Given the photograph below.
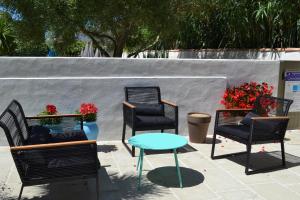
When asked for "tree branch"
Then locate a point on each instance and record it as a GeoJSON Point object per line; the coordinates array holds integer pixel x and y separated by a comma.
{"type": "Point", "coordinates": [91, 36]}
{"type": "Point", "coordinates": [97, 35]}
{"type": "Point", "coordinates": [143, 49]}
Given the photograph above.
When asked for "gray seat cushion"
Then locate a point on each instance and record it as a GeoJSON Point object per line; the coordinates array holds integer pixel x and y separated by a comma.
{"type": "Point", "coordinates": [267, 125]}
{"type": "Point", "coordinates": [152, 122]}
{"type": "Point", "coordinates": [243, 132]}
{"type": "Point", "coordinates": [67, 136]}
{"type": "Point", "coordinates": [149, 109]}
{"type": "Point", "coordinates": [38, 135]}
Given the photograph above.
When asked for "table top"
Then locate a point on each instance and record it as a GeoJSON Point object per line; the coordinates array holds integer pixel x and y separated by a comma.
{"type": "Point", "coordinates": [158, 141]}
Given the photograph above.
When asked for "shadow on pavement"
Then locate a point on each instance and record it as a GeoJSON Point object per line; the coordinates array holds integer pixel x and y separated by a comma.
{"type": "Point", "coordinates": [167, 177]}
{"type": "Point", "coordinates": [261, 160]}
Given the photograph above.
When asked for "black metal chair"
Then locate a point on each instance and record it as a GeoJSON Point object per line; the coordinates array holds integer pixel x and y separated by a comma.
{"type": "Point", "coordinates": [265, 123]}
{"type": "Point", "coordinates": [144, 109]}
{"type": "Point", "coordinates": [61, 157]}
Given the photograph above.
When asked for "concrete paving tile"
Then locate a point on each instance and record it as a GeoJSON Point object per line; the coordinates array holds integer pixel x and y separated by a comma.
{"type": "Point", "coordinates": [75, 191]}
{"type": "Point", "coordinates": [295, 188]}
{"type": "Point", "coordinates": [285, 177]}
{"type": "Point", "coordinates": [199, 164]}
{"type": "Point", "coordinates": [254, 178]}
{"type": "Point", "coordinates": [274, 191]}
{"type": "Point", "coordinates": [197, 192]}
{"type": "Point", "coordinates": [221, 181]}
{"type": "Point", "coordinates": [13, 176]}
{"type": "Point", "coordinates": [31, 192]}
{"type": "Point", "coordinates": [295, 169]}
{"type": "Point", "coordinates": [240, 194]}
{"type": "Point", "coordinates": [109, 195]}
{"type": "Point", "coordinates": [127, 184]}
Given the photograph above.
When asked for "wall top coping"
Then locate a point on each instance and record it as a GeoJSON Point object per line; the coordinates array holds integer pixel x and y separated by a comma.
{"type": "Point", "coordinates": [138, 59]}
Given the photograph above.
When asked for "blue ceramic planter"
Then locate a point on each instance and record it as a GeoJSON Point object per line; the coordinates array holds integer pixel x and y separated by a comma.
{"type": "Point", "coordinates": [90, 129]}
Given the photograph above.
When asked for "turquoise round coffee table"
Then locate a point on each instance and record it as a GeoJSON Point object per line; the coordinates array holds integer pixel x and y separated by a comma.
{"type": "Point", "coordinates": [157, 141]}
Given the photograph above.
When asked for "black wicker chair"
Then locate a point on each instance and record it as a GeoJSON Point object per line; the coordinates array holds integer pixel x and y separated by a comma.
{"type": "Point", "coordinates": [144, 109]}
{"type": "Point", "coordinates": [45, 157]}
{"type": "Point", "coordinates": [265, 123]}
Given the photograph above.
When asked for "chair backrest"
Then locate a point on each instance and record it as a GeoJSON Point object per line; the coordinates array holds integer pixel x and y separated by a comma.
{"type": "Point", "coordinates": [272, 106]}
{"type": "Point", "coordinates": [14, 124]}
{"type": "Point", "coordinates": [142, 95]}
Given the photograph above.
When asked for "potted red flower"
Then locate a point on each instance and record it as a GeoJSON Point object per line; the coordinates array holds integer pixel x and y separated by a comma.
{"type": "Point", "coordinates": [49, 110]}
{"type": "Point", "coordinates": [244, 96]}
{"type": "Point", "coordinates": [52, 122]}
{"type": "Point", "coordinates": [89, 112]}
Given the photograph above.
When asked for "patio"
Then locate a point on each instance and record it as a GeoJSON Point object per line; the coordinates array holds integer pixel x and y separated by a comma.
{"type": "Point", "coordinates": [203, 178]}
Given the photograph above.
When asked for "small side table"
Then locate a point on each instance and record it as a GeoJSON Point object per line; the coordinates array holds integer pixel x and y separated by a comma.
{"type": "Point", "coordinates": [157, 141]}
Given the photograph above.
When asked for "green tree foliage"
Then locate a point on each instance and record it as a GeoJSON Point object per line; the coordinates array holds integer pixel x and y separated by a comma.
{"type": "Point", "coordinates": [140, 25]}
{"type": "Point", "coordinates": [7, 37]}
{"type": "Point", "coordinates": [30, 48]}
{"type": "Point", "coordinates": [240, 24]}
{"type": "Point", "coordinates": [112, 25]}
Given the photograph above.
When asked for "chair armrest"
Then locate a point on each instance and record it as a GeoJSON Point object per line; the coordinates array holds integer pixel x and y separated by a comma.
{"type": "Point", "coordinates": [129, 113]}
{"type": "Point", "coordinates": [170, 110]}
{"type": "Point", "coordinates": [277, 129]}
{"type": "Point", "coordinates": [65, 120]}
{"type": "Point", "coordinates": [233, 109]}
{"type": "Point", "coordinates": [129, 105]}
{"type": "Point", "coordinates": [53, 145]}
{"type": "Point", "coordinates": [269, 118]}
{"type": "Point", "coordinates": [168, 102]}
{"type": "Point", "coordinates": [230, 116]}
{"type": "Point", "coordinates": [53, 116]}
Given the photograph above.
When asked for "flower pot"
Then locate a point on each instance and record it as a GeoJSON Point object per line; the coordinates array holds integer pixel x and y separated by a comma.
{"type": "Point", "coordinates": [198, 125]}
{"type": "Point", "coordinates": [90, 129]}
{"type": "Point", "coordinates": [54, 128]}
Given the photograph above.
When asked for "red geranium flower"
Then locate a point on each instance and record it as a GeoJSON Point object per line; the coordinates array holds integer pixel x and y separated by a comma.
{"type": "Point", "coordinates": [244, 96]}
{"type": "Point", "coordinates": [89, 111]}
{"type": "Point", "coordinates": [51, 109]}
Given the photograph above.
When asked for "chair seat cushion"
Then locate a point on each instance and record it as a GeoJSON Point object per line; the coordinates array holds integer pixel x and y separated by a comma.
{"type": "Point", "coordinates": [267, 125]}
{"type": "Point", "coordinates": [38, 135]}
{"type": "Point", "coordinates": [153, 122]}
{"type": "Point", "coordinates": [148, 109]}
{"type": "Point", "coordinates": [243, 132]}
{"type": "Point", "coordinates": [67, 136]}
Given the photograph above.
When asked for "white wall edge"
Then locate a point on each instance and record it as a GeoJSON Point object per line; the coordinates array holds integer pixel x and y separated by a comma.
{"type": "Point", "coordinates": [114, 77]}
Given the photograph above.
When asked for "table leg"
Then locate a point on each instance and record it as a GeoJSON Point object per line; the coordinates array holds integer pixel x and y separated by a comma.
{"type": "Point", "coordinates": [141, 167]}
{"type": "Point", "coordinates": [177, 168]}
{"type": "Point", "coordinates": [138, 163]}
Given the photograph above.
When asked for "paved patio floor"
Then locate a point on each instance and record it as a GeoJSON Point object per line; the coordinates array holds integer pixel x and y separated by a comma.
{"type": "Point", "coordinates": [203, 178]}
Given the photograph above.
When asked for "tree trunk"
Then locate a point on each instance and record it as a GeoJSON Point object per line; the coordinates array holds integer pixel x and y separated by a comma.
{"type": "Point", "coordinates": [120, 45]}
{"type": "Point", "coordinates": [118, 52]}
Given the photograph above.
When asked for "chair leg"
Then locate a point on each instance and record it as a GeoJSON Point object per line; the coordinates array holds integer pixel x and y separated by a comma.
{"type": "Point", "coordinates": [213, 146]}
{"type": "Point", "coordinates": [124, 131]}
{"type": "Point", "coordinates": [248, 159]}
{"type": "Point", "coordinates": [283, 153]}
{"type": "Point", "coordinates": [162, 130]}
{"type": "Point", "coordinates": [21, 192]}
{"type": "Point", "coordinates": [133, 148]}
{"type": "Point", "coordinates": [176, 130]}
{"type": "Point", "coordinates": [97, 186]}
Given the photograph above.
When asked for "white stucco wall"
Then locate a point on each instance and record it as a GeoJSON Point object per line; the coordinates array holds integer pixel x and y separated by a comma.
{"type": "Point", "coordinates": [195, 85]}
